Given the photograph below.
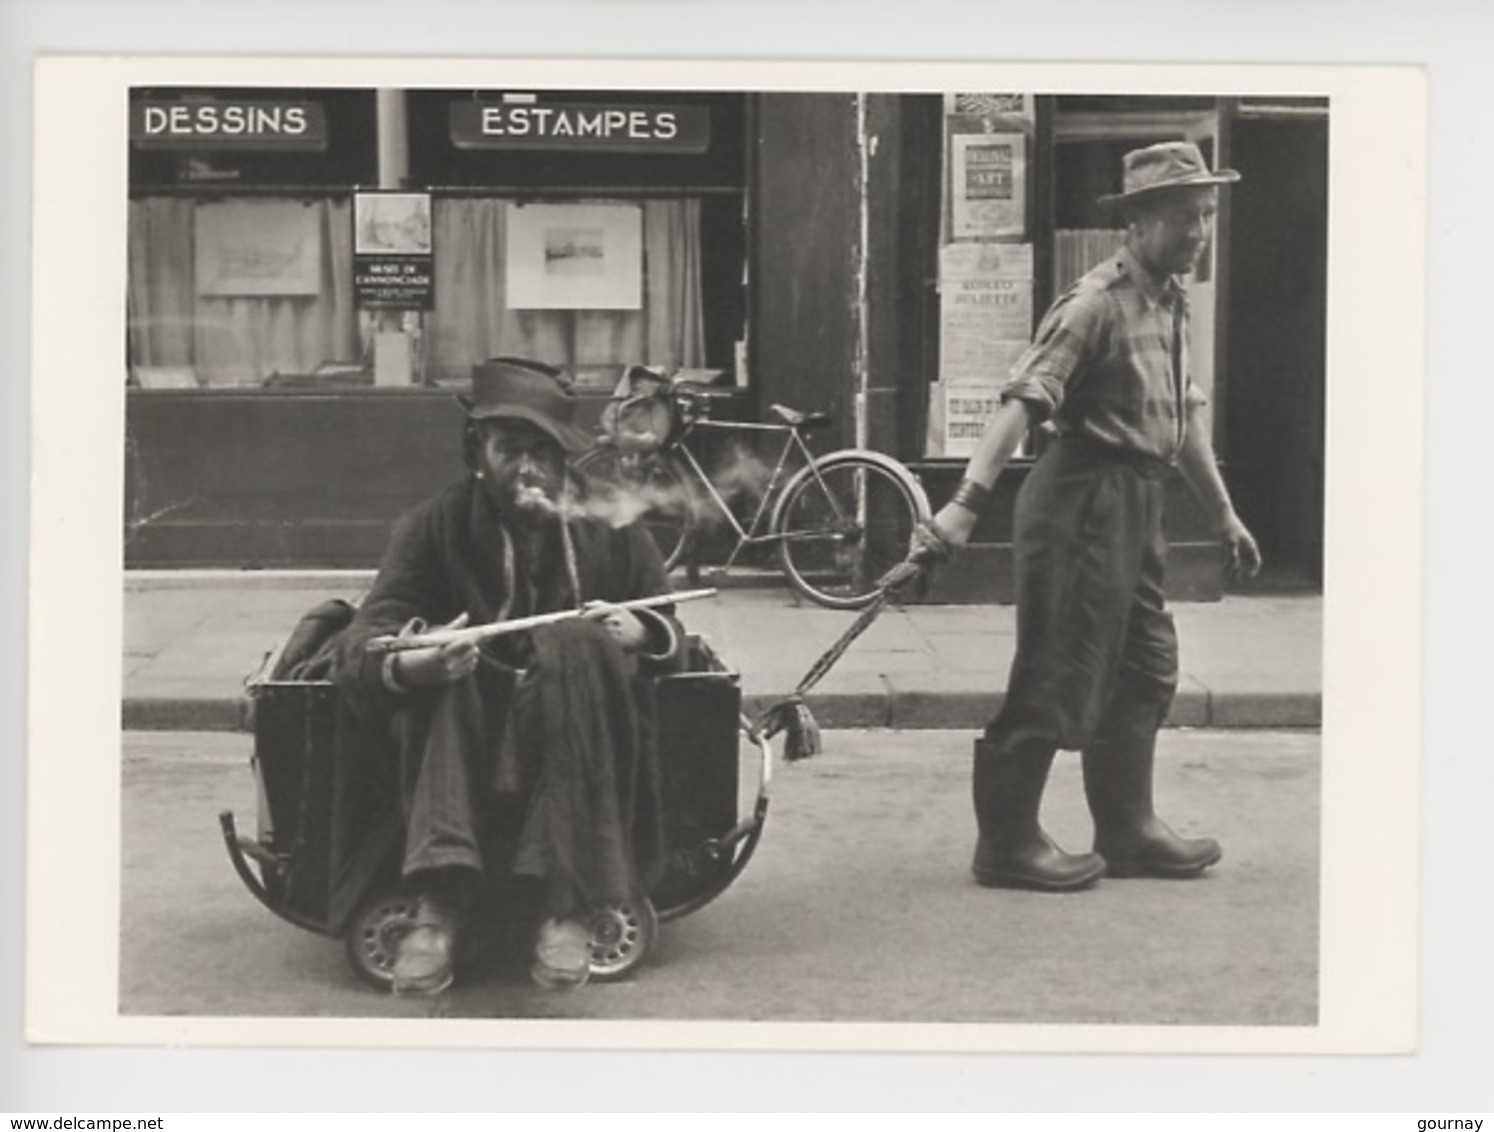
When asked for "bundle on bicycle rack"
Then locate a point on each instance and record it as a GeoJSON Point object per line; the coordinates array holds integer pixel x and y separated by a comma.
{"type": "Point", "coordinates": [640, 416]}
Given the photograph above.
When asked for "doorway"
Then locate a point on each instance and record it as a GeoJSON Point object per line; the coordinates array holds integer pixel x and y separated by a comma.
{"type": "Point", "coordinates": [1275, 354]}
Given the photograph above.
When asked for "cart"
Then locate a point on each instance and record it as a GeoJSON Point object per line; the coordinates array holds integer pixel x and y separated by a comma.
{"type": "Point", "coordinates": [702, 734]}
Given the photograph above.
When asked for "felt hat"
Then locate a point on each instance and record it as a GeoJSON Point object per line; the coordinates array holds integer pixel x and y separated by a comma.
{"type": "Point", "coordinates": [1168, 165]}
{"type": "Point", "coordinates": [523, 390]}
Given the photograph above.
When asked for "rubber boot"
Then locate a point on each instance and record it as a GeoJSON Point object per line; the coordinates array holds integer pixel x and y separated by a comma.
{"type": "Point", "coordinates": [1012, 850]}
{"type": "Point", "coordinates": [1128, 834]}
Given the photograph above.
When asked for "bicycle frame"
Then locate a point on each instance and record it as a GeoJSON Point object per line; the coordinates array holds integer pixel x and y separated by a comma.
{"type": "Point", "coordinates": [748, 535]}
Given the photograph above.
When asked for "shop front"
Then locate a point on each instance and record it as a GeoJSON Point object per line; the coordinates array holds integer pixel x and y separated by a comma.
{"type": "Point", "coordinates": [313, 274]}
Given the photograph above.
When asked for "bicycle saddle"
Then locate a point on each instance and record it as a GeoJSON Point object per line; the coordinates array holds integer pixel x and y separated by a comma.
{"type": "Point", "coordinates": [796, 419]}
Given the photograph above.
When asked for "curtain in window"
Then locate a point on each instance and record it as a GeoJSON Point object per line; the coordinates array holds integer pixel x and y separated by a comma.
{"type": "Point", "coordinates": [1077, 250]}
{"type": "Point", "coordinates": [472, 319]}
{"type": "Point", "coordinates": [234, 340]}
{"type": "Point", "coordinates": [244, 340]}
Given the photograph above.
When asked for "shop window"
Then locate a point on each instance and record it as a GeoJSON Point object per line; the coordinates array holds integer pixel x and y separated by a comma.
{"type": "Point", "coordinates": [259, 293]}
{"type": "Point", "coordinates": [592, 285]}
{"type": "Point", "coordinates": [243, 269]}
{"type": "Point", "coordinates": [670, 165]}
{"type": "Point", "coordinates": [237, 292]}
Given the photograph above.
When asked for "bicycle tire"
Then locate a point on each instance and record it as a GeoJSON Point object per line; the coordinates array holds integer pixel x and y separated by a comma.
{"type": "Point", "coordinates": [842, 523]}
{"type": "Point", "coordinates": [642, 486]}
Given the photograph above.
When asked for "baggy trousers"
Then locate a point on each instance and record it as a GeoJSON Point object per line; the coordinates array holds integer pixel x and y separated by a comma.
{"type": "Point", "coordinates": [441, 750]}
{"type": "Point", "coordinates": [1097, 657]}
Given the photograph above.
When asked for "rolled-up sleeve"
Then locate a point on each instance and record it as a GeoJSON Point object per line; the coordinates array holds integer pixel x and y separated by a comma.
{"type": "Point", "coordinates": [1069, 332]}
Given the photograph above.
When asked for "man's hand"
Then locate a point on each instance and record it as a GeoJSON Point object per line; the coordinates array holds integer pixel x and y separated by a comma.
{"type": "Point", "coordinates": [928, 549]}
{"type": "Point", "coordinates": [1244, 555]}
{"type": "Point", "coordinates": [432, 667]}
{"type": "Point", "coordinates": [954, 523]}
{"type": "Point", "coordinates": [624, 625]}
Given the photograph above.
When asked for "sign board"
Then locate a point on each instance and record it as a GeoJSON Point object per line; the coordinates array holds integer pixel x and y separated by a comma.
{"type": "Point", "coordinates": [228, 124]}
{"type": "Point", "coordinates": [391, 282]}
{"type": "Point", "coordinates": [529, 124]}
{"type": "Point", "coordinates": [393, 257]}
{"type": "Point", "coordinates": [985, 309]}
{"type": "Point", "coordinates": [988, 186]}
{"type": "Point", "coordinates": [989, 105]}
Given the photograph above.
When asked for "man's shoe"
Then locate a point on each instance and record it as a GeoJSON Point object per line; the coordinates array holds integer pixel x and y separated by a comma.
{"type": "Point", "coordinates": [423, 963]}
{"type": "Point", "coordinates": [1036, 863]}
{"type": "Point", "coordinates": [562, 955]}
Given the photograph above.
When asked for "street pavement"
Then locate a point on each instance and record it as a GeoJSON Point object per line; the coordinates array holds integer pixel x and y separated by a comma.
{"type": "Point", "coordinates": [1250, 660]}
{"type": "Point", "coordinates": [857, 908]}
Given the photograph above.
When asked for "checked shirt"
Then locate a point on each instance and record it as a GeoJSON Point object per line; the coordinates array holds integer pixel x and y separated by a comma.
{"type": "Point", "coordinates": [1109, 361]}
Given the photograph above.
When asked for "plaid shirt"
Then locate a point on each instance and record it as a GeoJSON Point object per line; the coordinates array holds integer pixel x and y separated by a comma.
{"type": "Point", "coordinates": [1102, 362]}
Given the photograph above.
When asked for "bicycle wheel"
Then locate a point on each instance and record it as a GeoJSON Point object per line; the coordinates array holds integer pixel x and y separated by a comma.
{"type": "Point", "coordinates": [624, 487]}
{"type": "Point", "coordinates": [842, 523]}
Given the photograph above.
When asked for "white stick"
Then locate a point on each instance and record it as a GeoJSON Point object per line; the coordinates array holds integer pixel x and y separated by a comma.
{"type": "Point", "coordinates": [479, 633]}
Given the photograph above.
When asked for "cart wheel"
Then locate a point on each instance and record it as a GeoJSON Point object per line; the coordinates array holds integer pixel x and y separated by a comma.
{"type": "Point", "coordinates": [372, 939]}
{"type": "Point", "coordinates": [621, 935]}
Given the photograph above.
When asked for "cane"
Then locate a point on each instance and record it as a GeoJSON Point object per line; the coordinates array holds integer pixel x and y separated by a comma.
{"type": "Point", "coordinates": [424, 638]}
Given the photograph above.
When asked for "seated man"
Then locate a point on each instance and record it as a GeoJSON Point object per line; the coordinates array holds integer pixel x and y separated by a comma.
{"type": "Point", "coordinates": [531, 754]}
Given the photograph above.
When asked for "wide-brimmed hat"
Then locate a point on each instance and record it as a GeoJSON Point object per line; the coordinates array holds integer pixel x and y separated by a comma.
{"type": "Point", "coordinates": [523, 390]}
{"type": "Point", "coordinates": [1168, 165]}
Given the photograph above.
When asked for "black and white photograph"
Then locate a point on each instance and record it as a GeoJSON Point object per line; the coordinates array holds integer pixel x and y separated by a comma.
{"type": "Point", "coordinates": [836, 561]}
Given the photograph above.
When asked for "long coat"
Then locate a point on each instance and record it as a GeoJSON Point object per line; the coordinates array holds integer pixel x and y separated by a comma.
{"type": "Point", "coordinates": [446, 557]}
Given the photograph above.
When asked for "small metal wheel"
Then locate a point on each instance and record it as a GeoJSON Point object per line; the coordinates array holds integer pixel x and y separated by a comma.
{"type": "Point", "coordinates": [621, 935]}
{"type": "Point", "coordinates": [372, 939]}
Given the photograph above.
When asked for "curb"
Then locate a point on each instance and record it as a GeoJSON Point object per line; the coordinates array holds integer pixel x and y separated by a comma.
{"type": "Point", "coordinates": [148, 580]}
{"type": "Point", "coordinates": [175, 713]}
{"type": "Point", "coordinates": [1195, 708]}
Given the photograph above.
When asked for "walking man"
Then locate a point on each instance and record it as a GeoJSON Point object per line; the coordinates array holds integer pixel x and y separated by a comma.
{"type": "Point", "coordinates": [1096, 663]}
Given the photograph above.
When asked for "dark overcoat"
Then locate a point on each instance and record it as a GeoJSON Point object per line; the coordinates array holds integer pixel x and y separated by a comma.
{"type": "Point", "coordinates": [446, 557]}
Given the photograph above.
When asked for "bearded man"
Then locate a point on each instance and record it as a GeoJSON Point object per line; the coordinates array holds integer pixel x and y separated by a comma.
{"type": "Point", "coordinates": [532, 754]}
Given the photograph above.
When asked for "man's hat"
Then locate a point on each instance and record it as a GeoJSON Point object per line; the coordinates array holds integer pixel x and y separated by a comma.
{"type": "Point", "coordinates": [522, 390]}
{"type": "Point", "coordinates": [1168, 165]}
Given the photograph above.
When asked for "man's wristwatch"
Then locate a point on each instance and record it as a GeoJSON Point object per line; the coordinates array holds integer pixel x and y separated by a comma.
{"type": "Point", "coordinates": [971, 495]}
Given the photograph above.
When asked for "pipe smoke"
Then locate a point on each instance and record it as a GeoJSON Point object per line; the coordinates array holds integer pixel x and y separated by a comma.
{"type": "Point", "coordinates": [741, 479]}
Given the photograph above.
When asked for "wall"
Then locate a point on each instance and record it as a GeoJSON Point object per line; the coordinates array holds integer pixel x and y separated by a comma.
{"type": "Point", "coordinates": [803, 264]}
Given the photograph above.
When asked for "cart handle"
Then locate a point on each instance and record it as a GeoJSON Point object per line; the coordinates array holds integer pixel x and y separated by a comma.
{"type": "Point", "coordinates": [236, 853]}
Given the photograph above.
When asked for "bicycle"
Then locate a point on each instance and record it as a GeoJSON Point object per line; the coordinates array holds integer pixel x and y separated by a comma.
{"type": "Point", "coordinates": [838, 522]}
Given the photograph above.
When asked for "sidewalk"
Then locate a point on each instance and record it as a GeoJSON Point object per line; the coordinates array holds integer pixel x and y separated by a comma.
{"type": "Point", "coordinates": [191, 638]}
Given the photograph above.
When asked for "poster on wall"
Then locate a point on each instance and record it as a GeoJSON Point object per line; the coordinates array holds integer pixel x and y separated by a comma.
{"type": "Point", "coordinates": [989, 105]}
{"type": "Point", "coordinates": [968, 406]}
{"type": "Point", "coordinates": [985, 308]}
{"type": "Point", "coordinates": [257, 248]}
{"type": "Point", "coordinates": [988, 186]}
{"type": "Point", "coordinates": [392, 223]}
{"type": "Point", "coordinates": [393, 256]}
{"type": "Point", "coordinates": [575, 257]}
